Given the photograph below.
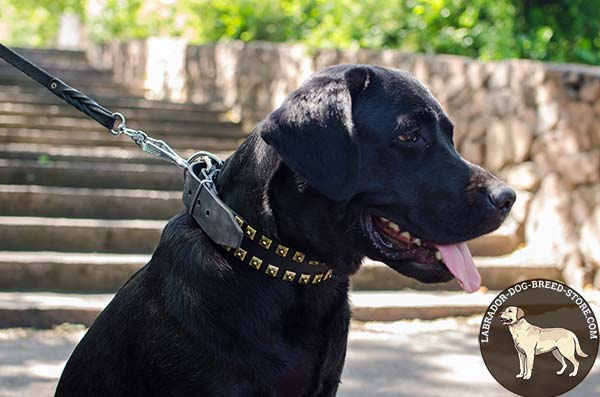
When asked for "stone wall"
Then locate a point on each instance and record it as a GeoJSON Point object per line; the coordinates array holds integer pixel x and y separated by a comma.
{"type": "Point", "coordinates": [536, 125]}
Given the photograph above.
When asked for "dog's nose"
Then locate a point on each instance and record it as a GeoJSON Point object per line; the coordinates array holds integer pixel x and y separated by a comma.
{"type": "Point", "coordinates": [503, 198]}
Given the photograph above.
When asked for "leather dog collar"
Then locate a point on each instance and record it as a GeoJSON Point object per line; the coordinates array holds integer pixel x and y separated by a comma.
{"type": "Point", "coordinates": [240, 239]}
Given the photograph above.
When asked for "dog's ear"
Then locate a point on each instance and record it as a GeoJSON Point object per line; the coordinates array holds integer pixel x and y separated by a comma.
{"type": "Point", "coordinates": [520, 313]}
{"type": "Point", "coordinates": [357, 79]}
{"type": "Point", "coordinates": [313, 130]}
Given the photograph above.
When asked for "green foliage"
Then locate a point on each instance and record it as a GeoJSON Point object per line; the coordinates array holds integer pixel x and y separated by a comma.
{"type": "Point", "coordinates": [118, 19]}
{"type": "Point", "coordinates": [130, 19]}
{"type": "Point", "coordinates": [272, 20]}
{"type": "Point", "coordinates": [34, 22]}
{"type": "Point", "coordinates": [563, 30]}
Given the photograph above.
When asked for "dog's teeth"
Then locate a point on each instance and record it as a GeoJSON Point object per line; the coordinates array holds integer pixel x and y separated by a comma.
{"type": "Point", "coordinates": [393, 226]}
{"type": "Point", "coordinates": [406, 235]}
{"type": "Point", "coordinates": [417, 241]}
{"type": "Point", "coordinates": [438, 255]}
{"type": "Point", "coordinates": [384, 219]}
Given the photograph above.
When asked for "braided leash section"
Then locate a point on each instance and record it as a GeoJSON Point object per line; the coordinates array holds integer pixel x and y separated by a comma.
{"type": "Point", "coordinates": [83, 103]}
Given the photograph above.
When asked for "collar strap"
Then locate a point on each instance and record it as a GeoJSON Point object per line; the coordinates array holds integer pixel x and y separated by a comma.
{"type": "Point", "coordinates": [238, 238]}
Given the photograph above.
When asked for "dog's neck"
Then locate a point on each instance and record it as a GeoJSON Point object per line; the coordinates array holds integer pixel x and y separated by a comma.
{"type": "Point", "coordinates": [255, 183]}
{"type": "Point", "coordinates": [520, 324]}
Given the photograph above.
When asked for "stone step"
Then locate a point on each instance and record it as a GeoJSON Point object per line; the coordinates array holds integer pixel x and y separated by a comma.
{"type": "Point", "coordinates": [405, 305]}
{"type": "Point", "coordinates": [115, 103]}
{"type": "Point", "coordinates": [88, 87]}
{"type": "Point", "coordinates": [91, 175]}
{"type": "Point", "coordinates": [105, 272]}
{"type": "Point", "coordinates": [67, 271]}
{"type": "Point", "coordinates": [53, 64]}
{"type": "Point", "coordinates": [46, 309]}
{"type": "Point", "coordinates": [45, 201]}
{"type": "Point", "coordinates": [79, 235]}
{"type": "Point", "coordinates": [424, 305]}
{"type": "Point", "coordinates": [69, 75]}
{"type": "Point", "coordinates": [51, 56]}
{"type": "Point", "coordinates": [100, 154]}
{"type": "Point", "coordinates": [502, 241]}
{"type": "Point", "coordinates": [61, 69]}
{"type": "Point", "coordinates": [175, 128]}
{"type": "Point", "coordinates": [104, 138]}
{"type": "Point", "coordinates": [63, 234]}
{"type": "Point", "coordinates": [133, 114]}
{"type": "Point", "coordinates": [497, 272]}
{"type": "Point", "coordinates": [79, 76]}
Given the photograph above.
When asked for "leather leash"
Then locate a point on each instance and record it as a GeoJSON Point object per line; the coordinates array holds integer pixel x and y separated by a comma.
{"type": "Point", "coordinates": [62, 90]}
{"type": "Point", "coordinates": [200, 195]}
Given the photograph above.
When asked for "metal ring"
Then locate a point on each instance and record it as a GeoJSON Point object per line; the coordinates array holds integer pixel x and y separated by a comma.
{"type": "Point", "coordinates": [121, 126]}
{"type": "Point", "coordinates": [202, 153]}
{"type": "Point", "coordinates": [206, 182]}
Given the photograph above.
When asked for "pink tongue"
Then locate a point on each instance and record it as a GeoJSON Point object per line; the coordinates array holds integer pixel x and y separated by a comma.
{"type": "Point", "coordinates": [459, 261]}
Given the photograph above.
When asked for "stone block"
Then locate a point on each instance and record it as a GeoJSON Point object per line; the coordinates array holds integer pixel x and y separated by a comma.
{"type": "Point", "coordinates": [499, 74]}
{"type": "Point", "coordinates": [497, 145]}
{"type": "Point", "coordinates": [589, 242]}
{"type": "Point", "coordinates": [549, 226]}
{"type": "Point", "coordinates": [474, 74]}
{"type": "Point", "coordinates": [590, 90]}
{"type": "Point", "coordinates": [524, 176]}
{"type": "Point", "coordinates": [547, 116]}
{"type": "Point", "coordinates": [579, 168]}
{"type": "Point", "coordinates": [472, 150]}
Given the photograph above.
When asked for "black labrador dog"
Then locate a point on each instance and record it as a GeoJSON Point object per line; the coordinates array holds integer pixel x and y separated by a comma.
{"type": "Point", "coordinates": [359, 161]}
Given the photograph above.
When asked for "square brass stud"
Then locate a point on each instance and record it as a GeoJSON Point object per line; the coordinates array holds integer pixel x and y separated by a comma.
{"type": "Point", "coordinates": [250, 232]}
{"type": "Point", "coordinates": [318, 278]}
{"type": "Point", "coordinates": [298, 257]}
{"type": "Point", "coordinates": [304, 278]}
{"type": "Point", "coordinates": [239, 220]}
{"type": "Point", "coordinates": [314, 263]}
{"type": "Point", "coordinates": [265, 242]}
{"type": "Point", "coordinates": [282, 250]}
{"type": "Point", "coordinates": [289, 276]}
{"type": "Point", "coordinates": [272, 270]}
{"type": "Point", "coordinates": [240, 254]}
{"type": "Point", "coordinates": [255, 262]}
{"type": "Point", "coordinates": [328, 274]}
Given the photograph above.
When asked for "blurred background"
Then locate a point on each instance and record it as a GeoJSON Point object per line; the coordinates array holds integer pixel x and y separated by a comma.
{"type": "Point", "coordinates": [81, 210]}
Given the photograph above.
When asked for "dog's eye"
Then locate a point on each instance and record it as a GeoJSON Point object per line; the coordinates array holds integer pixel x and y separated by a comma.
{"type": "Point", "coordinates": [409, 136]}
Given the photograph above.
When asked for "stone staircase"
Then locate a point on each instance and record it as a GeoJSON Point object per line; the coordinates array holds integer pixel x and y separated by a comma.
{"type": "Point", "coordinates": [81, 210]}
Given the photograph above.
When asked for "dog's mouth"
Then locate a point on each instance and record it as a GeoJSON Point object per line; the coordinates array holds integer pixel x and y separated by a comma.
{"type": "Point", "coordinates": [394, 243]}
{"type": "Point", "coordinates": [505, 321]}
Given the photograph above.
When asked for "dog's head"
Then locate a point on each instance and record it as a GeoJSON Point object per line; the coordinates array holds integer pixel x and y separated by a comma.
{"type": "Point", "coordinates": [511, 315]}
{"type": "Point", "coordinates": [377, 142]}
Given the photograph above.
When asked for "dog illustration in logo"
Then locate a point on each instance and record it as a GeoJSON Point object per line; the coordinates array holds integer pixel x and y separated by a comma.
{"type": "Point", "coordinates": [531, 340]}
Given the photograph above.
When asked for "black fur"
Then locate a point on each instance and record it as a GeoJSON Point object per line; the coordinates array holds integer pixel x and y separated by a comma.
{"type": "Point", "coordinates": [195, 322]}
